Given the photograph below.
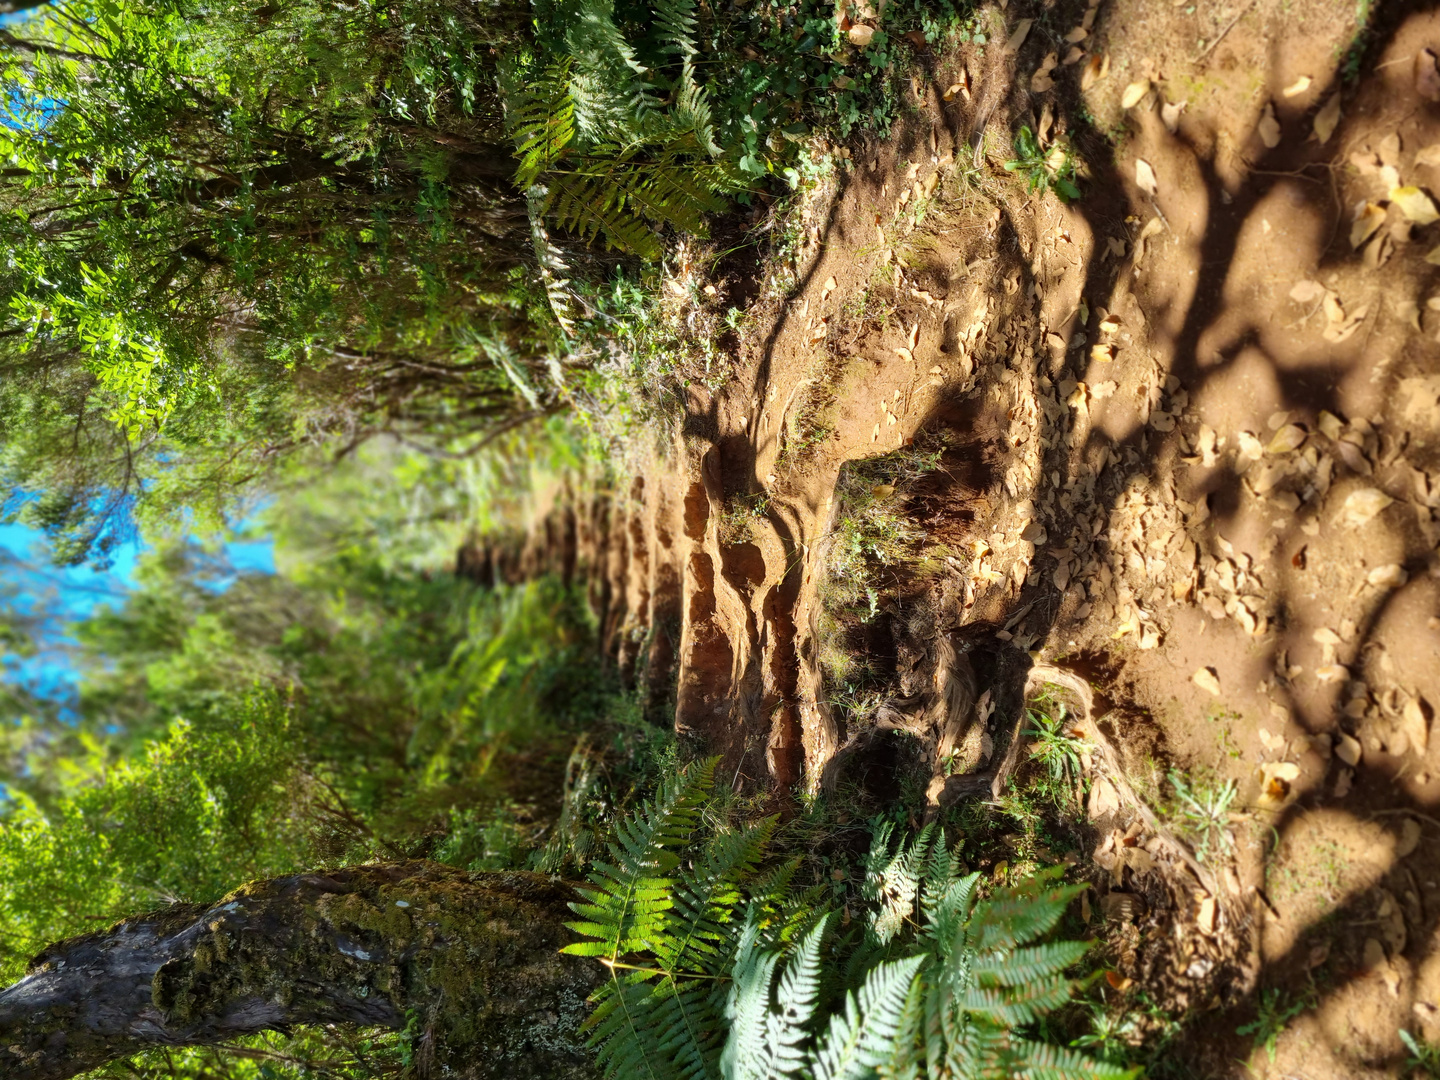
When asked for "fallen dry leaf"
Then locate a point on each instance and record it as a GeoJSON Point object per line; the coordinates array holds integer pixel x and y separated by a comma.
{"type": "Point", "coordinates": [1361, 505]}
{"type": "Point", "coordinates": [1299, 86]}
{"type": "Point", "coordinates": [1207, 680]}
{"type": "Point", "coordinates": [1429, 156]}
{"type": "Point", "coordinates": [1289, 438]}
{"type": "Point", "coordinates": [1412, 723]}
{"type": "Point", "coordinates": [1347, 749]}
{"type": "Point", "coordinates": [861, 35]}
{"type": "Point", "coordinates": [1104, 799]}
{"type": "Point", "coordinates": [1269, 127]}
{"type": "Point", "coordinates": [1205, 915]}
{"type": "Point", "coordinates": [1079, 34]}
{"type": "Point", "coordinates": [1102, 353]}
{"type": "Point", "coordinates": [1276, 780]}
{"type": "Point", "coordinates": [1170, 114]}
{"type": "Point", "coordinates": [1414, 204]}
{"type": "Point", "coordinates": [1097, 68]}
{"type": "Point", "coordinates": [1022, 31]}
{"type": "Point", "coordinates": [1327, 119]}
{"type": "Point", "coordinates": [1145, 177]}
{"type": "Point", "coordinates": [1304, 292]}
{"type": "Point", "coordinates": [1409, 837]}
{"type": "Point", "coordinates": [1133, 93]}
{"type": "Point", "coordinates": [1369, 218]}
{"type": "Point", "coordinates": [1389, 576]}
{"type": "Point", "coordinates": [905, 354]}
{"type": "Point", "coordinates": [1332, 673]}
{"type": "Point", "coordinates": [827, 288]}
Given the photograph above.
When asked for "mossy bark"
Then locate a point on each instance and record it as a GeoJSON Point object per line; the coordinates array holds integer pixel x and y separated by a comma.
{"type": "Point", "coordinates": [472, 957]}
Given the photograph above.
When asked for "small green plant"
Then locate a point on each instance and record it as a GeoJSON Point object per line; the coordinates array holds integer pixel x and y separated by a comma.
{"type": "Point", "coordinates": [1042, 170]}
{"type": "Point", "coordinates": [1272, 1013]}
{"type": "Point", "coordinates": [1422, 1057]}
{"type": "Point", "coordinates": [1056, 750]}
{"type": "Point", "coordinates": [1203, 811]}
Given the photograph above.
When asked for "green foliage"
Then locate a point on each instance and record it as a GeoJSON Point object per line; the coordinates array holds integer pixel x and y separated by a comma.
{"type": "Point", "coordinates": [1422, 1057]}
{"type": "Point", "coordinates": [1041, 170]}
{"type": "Point", "coordinates": [718, 971]}
{"type": "Point", "coordinates": [1272, 1013]}
{"type": "Point", "coordinates": [202, 808]}
{"type": "Point", "coordinates": [1202, 810]}
{"type": "Point", "coordinates": [1056, 750]}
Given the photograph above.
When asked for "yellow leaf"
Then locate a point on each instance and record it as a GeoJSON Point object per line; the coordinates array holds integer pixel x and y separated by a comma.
{"type": "Point", "coordinates": [1414, 204]}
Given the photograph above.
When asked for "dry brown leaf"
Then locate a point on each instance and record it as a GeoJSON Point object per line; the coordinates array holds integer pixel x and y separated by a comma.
{"type": "Point", "coordinates": [1104, 799]}
{"type": "Point", "coordinates": [1332, 673]}
{"type": "Point", "coordinates": [1250, 447]}
{"type": "Point", "coordinates": [1330, 425]}
{"type": "Point", "coordinates": [1079, 34]}
{"type": "Point", "coordinates": [1429, 156]}
{"type": "Point", "coordinates": [951, 91]}
{"type": "Point", "coordinates": [905, 354]}
{"type": "Point", "coordinates": [1377, 252]}
{"type": "Point", "coordinates": [1170, 114]}
{"type": "Point", "coordinates": [1022, 31]}
{"type": "Point", "coordinates": [1205, 915]}
{"type": "Point", "coordinates": [1433, 256]}
{"type": "Point", "coordinates": [1370, 218]}
{"type": "Point", "coordinates": [861, 35]}
{"type": "Point", "coordinates": [1134, 93]}
{"type": "Point", "coordinates": [1326, 636]}
{"type": "Point", "coordinates": [1269, 127]}
{"type": "Point", "coordinates": [1389, 576]}
{"type": "Point", "coordinates": [1074, 56]}
{"type": "Point", "coordinates": [1289, 438]}
{"type": "Point", "coordinates": [1145, 177]}
{"type": "Point", "coordinates": [1361, 505]}
{"type": "Point", "coordinates": [1304, 292]}
{"type": "Point", "coordinates": [1299, 86]}
{"type": "Point", "coordinates": [1327, 119]}
{"type": "Point", "coordinates": [1095, 70]}
{"type": "Point", "coordinates": [1409, 837]}
{"type": "Point", "coordinates": [1412, 723]}
{"type": "Point", "coordinates": [1275, 784]}
{"type": "Point", "coordinates": [1414, 204]}
{"type": "Point", "coordinates": [1207, 680]}
{"type": "Point", "coordinates": [1102, 390]}
{"type": "Point", "coordinates": [827, 288]}
{"type": "Point", "coordinates": [1041, 82]}
{"type": "Point", "coordinates": [1347, 749]}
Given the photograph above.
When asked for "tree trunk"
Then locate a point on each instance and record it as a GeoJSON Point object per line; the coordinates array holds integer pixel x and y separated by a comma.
{"type": "Point", "coordinates": [471, 957]}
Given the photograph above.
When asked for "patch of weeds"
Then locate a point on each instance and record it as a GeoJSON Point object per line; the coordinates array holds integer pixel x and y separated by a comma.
{"type": "Point", "coordinates": [1355, 51]}
{"type": "Point", "coordinates": [1055, 749]}
{"type": "Point", "coordinates": [734, 525]}
{"type": "Point", "coordinates": [1226, 719]}
{"type": "Point", "coordinates": [1421, 1057]}
{"type": "Point", "coordinates": [1272, 1013]}
{"type": "Point", "coordinates": [1114, 1034]}
{"type": "Point", "coordinates": [1201, 811]}
{"type": "Point", "coordinates": [1044, 170]}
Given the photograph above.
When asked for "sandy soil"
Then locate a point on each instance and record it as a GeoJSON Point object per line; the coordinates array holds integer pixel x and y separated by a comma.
{"type": "Point", "coordinates": [1189, 429]}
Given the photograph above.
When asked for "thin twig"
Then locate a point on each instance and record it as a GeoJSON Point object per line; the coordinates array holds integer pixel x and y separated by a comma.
{"type": "Point", "coordinates": [1228, 27]}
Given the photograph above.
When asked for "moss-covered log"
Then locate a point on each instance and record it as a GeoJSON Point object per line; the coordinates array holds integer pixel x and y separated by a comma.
{"type": "Point", "coordinates": [471, 957]}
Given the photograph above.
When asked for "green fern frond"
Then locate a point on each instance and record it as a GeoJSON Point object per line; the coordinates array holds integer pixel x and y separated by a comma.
{"type": "Point", "coordinates": [626, 901]}
{"type": "Point", "coordinates": [862, 1038]}
{"type": "Point", "coordinates": [540, 112]}
{"type": "Point", "coordinates": [1045, 1061]}
{"type": "Point", "coordinates": [1021, 966]}
{"type": "Point", "coordinates": [709, 895]}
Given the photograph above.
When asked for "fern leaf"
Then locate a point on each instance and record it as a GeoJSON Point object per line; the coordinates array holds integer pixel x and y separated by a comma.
{"type": "Point", "coordinates": [860, 1040]}
{"type": "Point", "coordinates": [1043, 1061]}
{"type": "Point", "coordinates": [625, 902]}
{"type": "Point", "coordinates": [1020, 966]}
{"type": "Point", "coordinates": [708, 896]}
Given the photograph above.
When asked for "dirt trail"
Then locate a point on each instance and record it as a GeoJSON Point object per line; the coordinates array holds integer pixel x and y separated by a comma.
{"type": "Point", "coordinates": [1190, 438]}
